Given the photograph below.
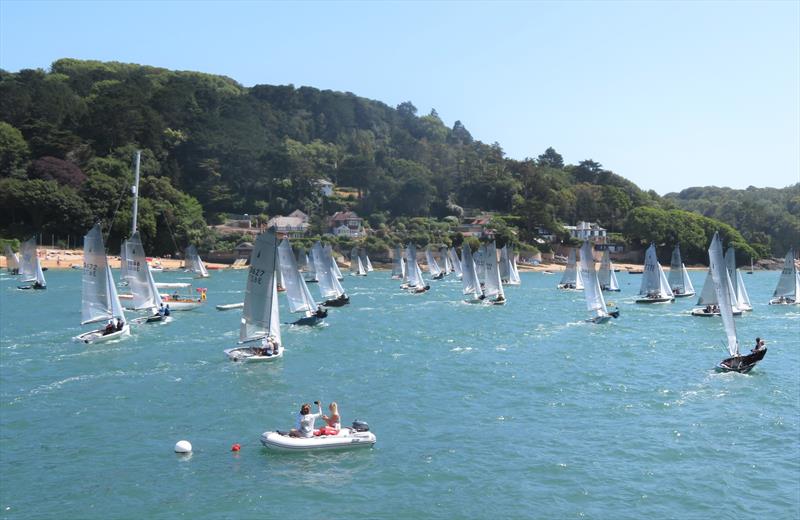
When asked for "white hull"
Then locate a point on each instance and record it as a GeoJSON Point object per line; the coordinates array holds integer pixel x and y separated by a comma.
{"type": "Point", "coordinates": [247, 354]}
{"type": "Point", "coordinates": [229, 306]}
{"type": "Point", "coordinates": [182, 306]}
{"type": "Point", "coordinates": [683, 295]}
{"type": "Point", "coordinates": [96, 336]}
{"type": "Point", "coordinates": [701, 312]}
{"type": "Point", "coordinates": [347, 438]}
{"type": "Point", "coordinates": [783, 301]}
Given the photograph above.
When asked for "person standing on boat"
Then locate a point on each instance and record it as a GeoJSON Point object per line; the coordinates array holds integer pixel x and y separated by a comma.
{"type": "Point", "coordinates": [333, 423]}
{"type": "Point", "coordinates": [305, 421]}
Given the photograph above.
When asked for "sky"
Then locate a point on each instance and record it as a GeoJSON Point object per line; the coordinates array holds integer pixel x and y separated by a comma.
{"type": "Point", "coordinates": [667, 94]}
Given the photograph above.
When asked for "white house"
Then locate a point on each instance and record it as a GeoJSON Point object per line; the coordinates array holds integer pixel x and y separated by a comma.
{"type": "Point", "coordinates": [293, 226]}
{"type": "Point", "coordinates": [590, 231]}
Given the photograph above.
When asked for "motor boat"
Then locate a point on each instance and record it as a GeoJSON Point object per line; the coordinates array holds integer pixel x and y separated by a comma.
{"type": "Point", "coordinates": [356, 436]}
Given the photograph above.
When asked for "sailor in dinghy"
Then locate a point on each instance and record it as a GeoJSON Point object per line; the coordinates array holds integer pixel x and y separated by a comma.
{"type": "Point", "coordinates": [719, 273]}
{"type": "Point", "coordinates": [99, 300]}
{"type": "Point", "coordinates": [260, 328]}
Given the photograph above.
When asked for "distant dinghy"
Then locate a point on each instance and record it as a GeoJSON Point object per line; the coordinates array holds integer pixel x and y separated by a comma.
{"type": "Point", "coordinates": [493, 286]}
{"type": "Point", "coordinates": [471, 287]}
{"type": "Point", "coordinates": [398, 264]}
{"type": "Point", "coordinates": [679, 280]}
{"type": "Point", "coordinates": [654, 288]}
{"type": "Point", "coordinates": [12, 261]}
{"type": "Point", "coordinates": [607, 277]}
{"type": "Point", "coordinates": [571, 279]}
{"type": "Point", "coordinates": [508, 267]}
{"type": "Point", "coordinates": [708, 304]}
{"type": "Point", "coordinates": [433, 266]}
{"type": "Point", "coordinates": [194, 264]}
{"type": "Point", "coordinates": [739, 290]}
{"type": "Point", "coordinates": [595, 303]}
{"type": "Point", "coordinates": [330, 289]}
{"type": "Point", "coordinates": [31, 268]}
{"type": "Point", "coordinates": [453, 254]}
{"type": "Point", "coordinates": [788, 288]}
{"type": "Point", "coordinates": [357, 267]}
{"type": "Point", "coordinates": [297, 293]}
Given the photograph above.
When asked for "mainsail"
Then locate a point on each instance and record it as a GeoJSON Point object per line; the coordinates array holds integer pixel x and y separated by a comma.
{"type": "Point", "coordinates": [571, 277]}
{"type": "Point", "coordinates": [328, 253]}
{"type": "Point", "coordinates": [29, 260]}
{"type": "Point", "coordinates": [329, 286]}
{"type": "Point", "coordinates": [433, 266]}
{"type": "Point", "coordinates": [99, 294]}
{"type": "Point", "coordinates": [739, 290]}
{"type": "Point", "coordinates": [789, 283]}
{"type": "Point", "coordinates": [138, 275]}
{"type": "Point", "coordinates": [469, 279]}
{"type": "Point", "coordinates": [365, 260]}
{"type": "Point", "coordinates": [493, 287]}
{"type": "Point", "coordinates": [455, 261]}
{"type": "Point", "coordinates": [508, 268]}
{"type": "Point", "coordinates": [194, 263]}
{"type": "Point", "coordinates": [654, 282]}
{"type": "Point", "coordinates": [12, 260]}
{"type": "Point", "coordinates": [414, 272]}
{"type": "Point", "coordinates": [719, 275]}
{"type": "Point", "coordinates": [297, 292]}
{"type": "Point", "coordinates": [260, 314]}
{"type": "Point", "coordinates": [607, 277]}
{"type": "Point", "coordinates": [356, 265]}
{"type": "Point", "coordinates": [447, 265]}
{"type": "Point", "coordinates": [595, 302]}
{"type": "Point", "coordinates": [398, 265]}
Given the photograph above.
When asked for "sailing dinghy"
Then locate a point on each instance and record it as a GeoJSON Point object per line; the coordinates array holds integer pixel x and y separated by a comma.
{"type": "Point", "coordinates": [571, 279]}
{"type": "Point", "coordinates": [433, 267]}
{"type": "Point", "coordinates": [470, 285]}
{"type": "Point", "coordinates": [447, 265]}
{"type": "Point", "coordinates": [12, 261]}
{"type": "Point", "coordinates": [493, 286]}
{"type": "Point", "coordinates": [99, 300]}
{"type": "Point", "coordinates": [719, 273]}
{"type": "Point", "coordinates": [416, 284]}
{"type": "Point", "coordinates": [297, 292]}
{"type": "Point", "coordinates": [595, 302]}
{"type": "Point", "coordinates": [654, 288]}
{"type": "Point", "coordinates": [398, 264]}
{"type": "Point", "coordinates": [329, 287]}
{"type": "Point", "coordinates": [328, 252]}
{"type": "Point", "coordinates": [260, 330]}
{"type": "Point", "coordinates": [679, 280]}
{"type": "Point", "coordinates": [144, 291]}
{"type": "Point", "coordinates": [607, 277]}
{"type": "Point", "coordinates": [31, 269]}
{"type": "Point", "coordinates": [194, 264]}
{"type": "Point", "coordinates": [788, 288]}
{"type": "Point", "coordinates": [357, 267]}
{"type": "Point", "coordinates": [455, 261]}
{"type": "Point", "coordinates": [739, 290]}
{"type": "Point", "coordinates": [508, 268]}
{"type": "Point", "coordinates": [708, 305]}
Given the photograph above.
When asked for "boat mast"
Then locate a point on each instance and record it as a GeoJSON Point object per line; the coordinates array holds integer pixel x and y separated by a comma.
{"type": "Point", "coordinates": [135, 190]}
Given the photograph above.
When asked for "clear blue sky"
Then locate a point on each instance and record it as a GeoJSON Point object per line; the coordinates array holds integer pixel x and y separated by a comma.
{"type": "Point", "coordinates": [667, 94]}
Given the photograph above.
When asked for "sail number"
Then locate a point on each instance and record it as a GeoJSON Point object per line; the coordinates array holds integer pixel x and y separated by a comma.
{"type": "Point", "coordinates": [256, 275]}
{"type": "Point", "coordinates": [90, 269]}
{"type": "Point", "coordinates": [133, 265]}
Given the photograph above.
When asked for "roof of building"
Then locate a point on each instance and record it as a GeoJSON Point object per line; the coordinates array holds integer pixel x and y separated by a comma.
{"type": "Point", "coordinates": [345, 215]}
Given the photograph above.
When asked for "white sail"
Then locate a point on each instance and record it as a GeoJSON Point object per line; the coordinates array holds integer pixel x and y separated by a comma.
{"type": "Point", "coordinates": [29, 260]}
{"type": "Point", "coordinates": [414, 272]}
{"type": "Point", "coordinates": [687, 282]}
{"type": "Point", "coordinates": [357, 267]}
{"type": "Point", "coordinates": [739, 290]}
{"type": "Point", "coordinates": [595, 302]}
{"type": "Point", "coordinates": [654, 282]}
{"type": "Point", "coordinates": [433, 266]}
{"type": "Point", "coordinates": [789, 282]}
{"type": "Point", "coordinates": [493, 286]}
{"type": "Point", "coordinates": [37, 267]}
{"type": "Point", "coordinates": [447, 265]}
{"type": "Point", "coordinates": [508, 267]}
{"type": "Point", "coordinates": [113, 298]}
{"type": "Point", "coordinates": [95, 298]}
{"type": "Point", "coordinates": [194, 263]}
{"type": "Point", "coordinates": [365, 261]}
{"type": "Point", "coordinates": [676, 281]}
{"type": "Point", "coordinates": [480, 264]}
{"type": "Point", "coordinates": [455, 261]}
{"type": "Point", "coordinates": [327, 251]}
{"type": "Point", "coordinates": [571, 277]}
{"type": "Point", "coordinates": [138, 275]}
{"type": "Point", "coordinates": [398, 267]}
{"type": "Point", "coordinates": [260, 314]}
{"type": "Point", "coordinates": [329, 286]}
{"type": "Point", "coordinates": [297, 293]}
{"type": "Point", "coordinates": [469, 279]}
{"type": "Point", "coordinates": [311, 265]}
{"type": "Point", "coordinates": [607, 277]}
{"type": "Point", "coordinates": [12, 259]}
{"type": "Point", "coordinates": [719, 275]}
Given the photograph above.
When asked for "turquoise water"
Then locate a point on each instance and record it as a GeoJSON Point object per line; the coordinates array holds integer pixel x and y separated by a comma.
{"type": "Point", "coordinates": [480, 412]}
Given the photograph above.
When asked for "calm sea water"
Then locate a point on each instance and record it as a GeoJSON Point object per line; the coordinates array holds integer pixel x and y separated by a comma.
{"type": "Point", "coordinates": [480, 412]}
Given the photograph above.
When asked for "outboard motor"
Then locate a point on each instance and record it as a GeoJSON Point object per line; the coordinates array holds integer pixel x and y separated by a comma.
{"type": "Point", "coordinates": [360, 426]}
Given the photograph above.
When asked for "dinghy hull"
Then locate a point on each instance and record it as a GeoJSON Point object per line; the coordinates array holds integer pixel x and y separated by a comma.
{"type": "Point", "coordinates": [251, 354]}
{"type": "Point", "coordinates": [346, 439]}
{"type": "Point", "coordinates": [742, 364]}
{"type": "Point", "coordinates": [97, 336]}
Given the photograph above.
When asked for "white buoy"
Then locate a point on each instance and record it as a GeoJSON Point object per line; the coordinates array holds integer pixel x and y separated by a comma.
{"type": "Point", "coordinates": [183, 447]}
